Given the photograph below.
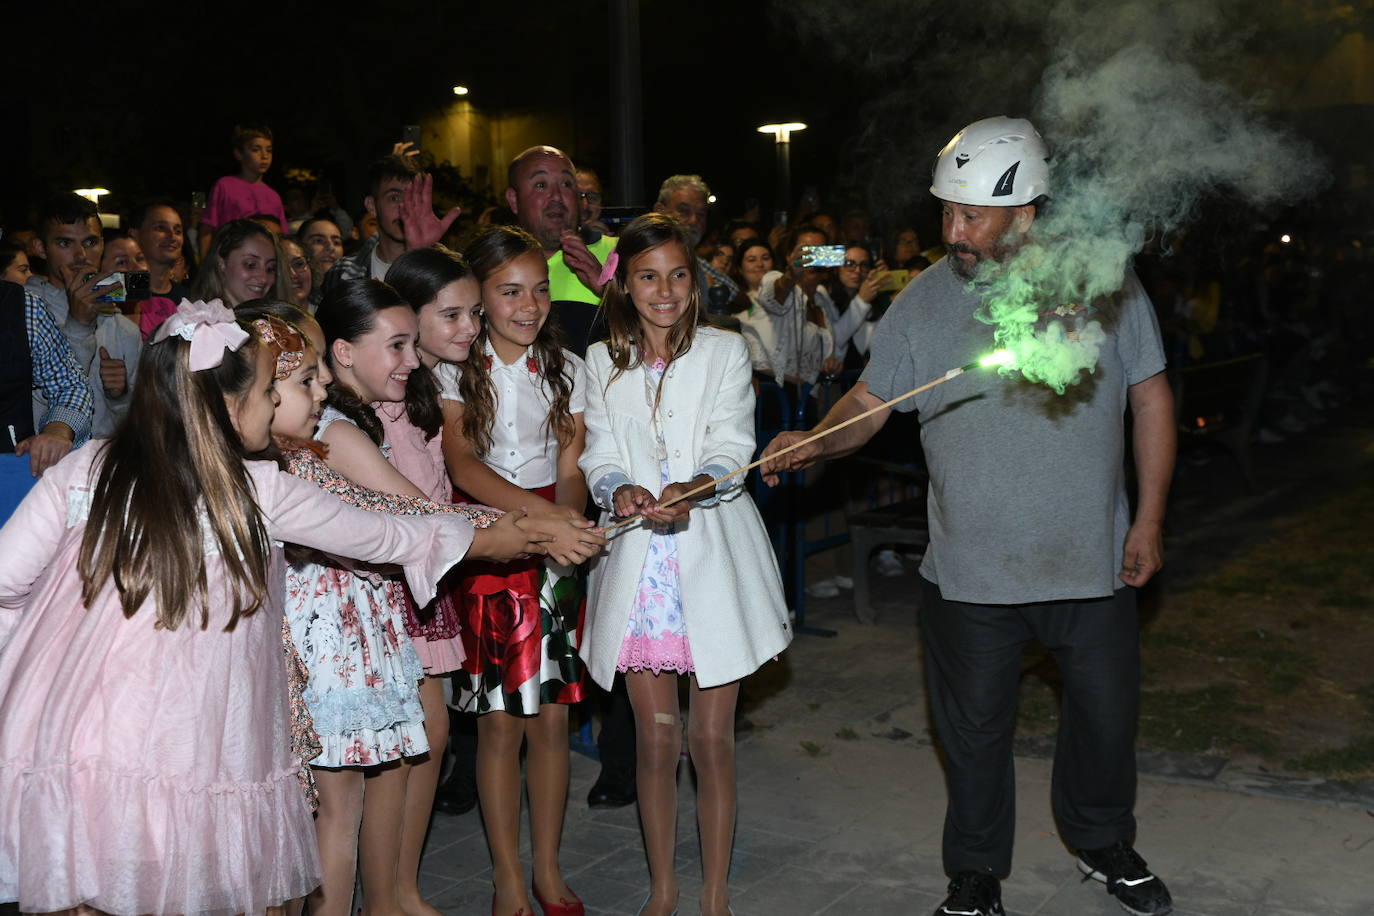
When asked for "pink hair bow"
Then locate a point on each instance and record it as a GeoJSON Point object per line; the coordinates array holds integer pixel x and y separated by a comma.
{"type": "Point", "coordinates": [209, 326]}
{"type": "Point", "coordinates": [608, 270]}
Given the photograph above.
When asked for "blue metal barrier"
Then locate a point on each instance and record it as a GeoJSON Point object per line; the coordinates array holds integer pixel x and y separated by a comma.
{"type": "Point", "coordinates": [780, 505]}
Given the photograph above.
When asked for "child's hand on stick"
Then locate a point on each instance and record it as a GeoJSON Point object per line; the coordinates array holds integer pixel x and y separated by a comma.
{"type": "Point", "coordinates": [679, 510]}
{"type": "Point", "coordinates": [630, 500]}
{"type": "Point", "coordinates": [572, 539]}
{"type": "Point", "coordinates": [507, 538]}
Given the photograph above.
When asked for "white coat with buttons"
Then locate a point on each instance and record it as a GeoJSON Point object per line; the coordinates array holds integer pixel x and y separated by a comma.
{"type": "Point", "coordinates": [732, 597]}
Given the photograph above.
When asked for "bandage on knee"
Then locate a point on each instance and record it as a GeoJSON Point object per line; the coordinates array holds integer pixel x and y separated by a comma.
{"type": "Point", "coordinates": [663, 718]}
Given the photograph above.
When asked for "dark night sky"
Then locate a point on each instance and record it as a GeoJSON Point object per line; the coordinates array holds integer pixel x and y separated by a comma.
{"type": "Point", "coordinates": [337, 91]}
{"type": "Point", "coordinates": [140, 97]}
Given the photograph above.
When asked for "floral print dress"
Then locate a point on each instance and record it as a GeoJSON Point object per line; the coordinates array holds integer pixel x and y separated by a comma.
{"type": "Point", "coordinates": [656, 637]}
{"type": "Point", "coordinates": [349, 629]}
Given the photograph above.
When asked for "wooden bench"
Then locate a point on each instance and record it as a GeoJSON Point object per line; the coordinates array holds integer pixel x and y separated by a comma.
{"type": "Point", "coordinates": [1218, 402]}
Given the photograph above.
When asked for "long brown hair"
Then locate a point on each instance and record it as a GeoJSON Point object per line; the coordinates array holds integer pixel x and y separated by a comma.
{"type": "Point", "coordinates": [175, 460]}
{"type": "Point", "coordinates": [348, 312]}
{"type": "Point", "coordinates": [419, 276]}
{"type": "Point", "coordinates": [644, 234]}
{"type": "Point", "coordinates": [487, 254]}
{"type": "Point", "coordinates": [229, 238]}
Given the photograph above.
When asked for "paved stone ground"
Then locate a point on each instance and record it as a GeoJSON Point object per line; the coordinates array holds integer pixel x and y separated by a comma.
{"type": "Point", "coordinates": [842, 799]}
{"type": "Point", "coordinates": [841, 803]}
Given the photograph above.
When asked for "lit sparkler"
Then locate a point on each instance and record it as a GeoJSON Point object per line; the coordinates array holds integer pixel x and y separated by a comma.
{"type": "Point", "coordinates": [999, 358]}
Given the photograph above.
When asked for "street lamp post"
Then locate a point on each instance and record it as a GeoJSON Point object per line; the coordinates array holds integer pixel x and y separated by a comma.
{"type": "Point", "coordinates": [782, 136]}
{"type": "Point", "coordinates": [627, 103]}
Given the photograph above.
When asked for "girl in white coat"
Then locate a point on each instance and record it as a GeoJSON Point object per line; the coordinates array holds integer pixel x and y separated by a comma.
{"type": "Point", "coordinates": [694, 589]}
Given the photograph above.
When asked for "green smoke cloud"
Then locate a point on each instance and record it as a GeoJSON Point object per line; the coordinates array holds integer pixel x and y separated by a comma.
{"type": "Point", "coordinates": [1138, 140]}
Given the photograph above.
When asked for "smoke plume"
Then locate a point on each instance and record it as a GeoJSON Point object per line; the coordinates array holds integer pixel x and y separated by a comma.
{"type": "Point", "coordinates": [1138, 141]}
{"type": "Point", "coordinates": [1139, 136]}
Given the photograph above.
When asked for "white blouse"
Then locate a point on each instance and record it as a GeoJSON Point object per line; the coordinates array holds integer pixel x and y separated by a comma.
{"type": "Point", "coordinates": [524, 450]}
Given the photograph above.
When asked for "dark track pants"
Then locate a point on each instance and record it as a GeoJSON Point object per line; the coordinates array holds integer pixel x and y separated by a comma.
{"type": "Point", "coordinates": [973, 666]}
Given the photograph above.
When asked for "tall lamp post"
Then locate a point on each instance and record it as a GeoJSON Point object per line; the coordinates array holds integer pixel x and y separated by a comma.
{"type": "Point", "coordinates": [782, 136]}
{"type": "Point", "coordinates": [627, 117]}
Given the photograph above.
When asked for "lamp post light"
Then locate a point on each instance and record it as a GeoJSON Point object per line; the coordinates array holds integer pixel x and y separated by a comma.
{"type": "Point", "coordinates": [107, 220]}
{"type": "Point", "coordinates": [782, 135]}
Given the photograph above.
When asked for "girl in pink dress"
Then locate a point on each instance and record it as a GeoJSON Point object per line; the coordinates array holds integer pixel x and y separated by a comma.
{"type": "Point", "coordinates": [145, 748]}
{"type": "Point", "coordinates": [440, 288]}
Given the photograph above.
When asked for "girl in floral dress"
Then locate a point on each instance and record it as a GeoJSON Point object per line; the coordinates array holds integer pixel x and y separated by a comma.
{"type": "Point", "coordinates": [513, 433]}
{"type": "Point", "coordinates": [349, 629]}
{"type": "Point", "coordinates": [693, 590]}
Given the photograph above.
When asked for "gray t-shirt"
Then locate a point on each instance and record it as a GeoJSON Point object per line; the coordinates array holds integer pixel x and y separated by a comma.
{"type": "Point", "coordinates": [1027, 496]}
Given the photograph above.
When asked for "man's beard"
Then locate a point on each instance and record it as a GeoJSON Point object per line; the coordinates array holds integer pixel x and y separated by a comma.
{"type": "Point", "coordinates": [962, 269]}
{"type": "Point", "coordinates": [999, 253]}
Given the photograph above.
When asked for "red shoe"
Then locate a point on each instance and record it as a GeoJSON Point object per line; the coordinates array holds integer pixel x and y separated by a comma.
{"type": "Point", "coordinates": [564, 906]}
{"type": "Point", "coordinates": [520, 912]}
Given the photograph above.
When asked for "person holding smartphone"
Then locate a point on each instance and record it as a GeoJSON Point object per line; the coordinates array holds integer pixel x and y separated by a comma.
{"type": "Point", "coordinates": [801, 340]}
{"type": "Point", "coordinates": [105, 343]}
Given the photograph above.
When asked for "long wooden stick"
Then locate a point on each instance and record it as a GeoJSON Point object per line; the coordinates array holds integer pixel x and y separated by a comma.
{"type": "Point", "coordinates": [953, 373]}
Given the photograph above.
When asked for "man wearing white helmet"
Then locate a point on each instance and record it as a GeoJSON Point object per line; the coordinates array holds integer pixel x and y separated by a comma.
{"type": "Point", "coordinates": [1030, 531]}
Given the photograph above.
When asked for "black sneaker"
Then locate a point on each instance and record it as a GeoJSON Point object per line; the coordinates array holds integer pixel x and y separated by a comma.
{"type": "Point", "coordinates": [972, 893]}
{"type": "Point", "coordinates": [456, 796]}
{"type": "Point", "coordinates": [1122, 869]}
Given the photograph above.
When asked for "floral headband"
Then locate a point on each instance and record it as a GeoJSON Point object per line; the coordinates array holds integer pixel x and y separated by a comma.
{"type": "Point", "coordinates": [209, 327]}
{"type": "Point", "coordinates": [288, 342]}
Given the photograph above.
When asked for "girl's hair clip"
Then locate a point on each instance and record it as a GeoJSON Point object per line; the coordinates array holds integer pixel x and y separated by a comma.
{"type": "Point", "coordinates": [209, 326]}
{"type": "Point", "coordinates": [286, 340]}
{"type": "Point", "coordinates": [608, 270]}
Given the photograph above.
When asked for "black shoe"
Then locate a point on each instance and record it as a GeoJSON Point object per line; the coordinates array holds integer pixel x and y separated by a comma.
{"type": "Point", "coordinates": [972, 893]}
{"type": "Point", "coordinates": [457, 796]}
{"type": "Point", "coordinates": [615, 788]}
{"type": "Point", "coordinates": [1122, 869]}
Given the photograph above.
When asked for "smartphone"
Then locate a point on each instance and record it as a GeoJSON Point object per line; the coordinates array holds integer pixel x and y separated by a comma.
{"type": "Point", "coordinates": [822, 255]}
{"type": "Point", "coordinates": [114, 279]}
{"type": "Point", "coordinates": [411, 134]}
{"type": "Point", "coordinates": [138, 285]}
{"type": "Point", "coordinates": [894, 280]}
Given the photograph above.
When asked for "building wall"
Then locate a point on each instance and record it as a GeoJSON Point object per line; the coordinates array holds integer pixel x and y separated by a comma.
{"type": "Point", "coordinates": [482, 144]}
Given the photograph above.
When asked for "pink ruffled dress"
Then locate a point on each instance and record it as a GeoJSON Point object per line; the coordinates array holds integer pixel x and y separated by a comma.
{"type": "Point", "coordinates": [436, 628]}
{"type": "Point", "coordinates": [147, 770]}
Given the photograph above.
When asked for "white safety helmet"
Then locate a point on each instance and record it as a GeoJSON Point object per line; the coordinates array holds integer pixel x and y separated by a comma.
{"type": "Point", "coordinates": [995, 162]}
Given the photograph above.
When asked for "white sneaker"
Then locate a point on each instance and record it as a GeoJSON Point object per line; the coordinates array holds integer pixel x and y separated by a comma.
{"type": "Point", "coordinates": [844, 582]}
{"type": "Point", "coordinates": [888, 564]}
